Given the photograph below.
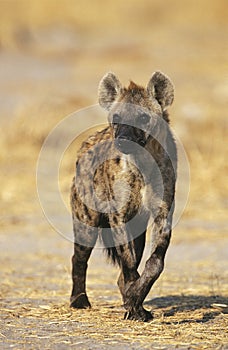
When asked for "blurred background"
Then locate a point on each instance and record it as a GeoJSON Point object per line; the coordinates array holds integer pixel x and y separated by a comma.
{"type": "Point", "coordinates": [53, 55]}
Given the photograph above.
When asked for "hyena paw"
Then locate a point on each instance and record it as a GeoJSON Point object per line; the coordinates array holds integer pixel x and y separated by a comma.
{"type": "Point", "coordinates": [80, 301]}
{"type": "Point", "coordinates": [139, 314]}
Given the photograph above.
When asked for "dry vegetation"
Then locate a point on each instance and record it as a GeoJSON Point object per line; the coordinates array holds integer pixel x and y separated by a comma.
{"type": "Point", "coordinates": [53, 54]}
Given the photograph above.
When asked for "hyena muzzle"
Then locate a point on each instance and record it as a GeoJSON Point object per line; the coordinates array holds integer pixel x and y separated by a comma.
{"type": "Point", "coordinates": [125, 183]}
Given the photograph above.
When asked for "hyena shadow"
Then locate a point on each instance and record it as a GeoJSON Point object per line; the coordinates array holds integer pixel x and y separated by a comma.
{"type": "Point", "coordinates": [172, 305]}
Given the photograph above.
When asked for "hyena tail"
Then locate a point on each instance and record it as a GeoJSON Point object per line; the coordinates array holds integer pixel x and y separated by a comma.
{"type": "Point", "coordinates": [114, 251]}
{"type": "Point", "coordinates": [108, 240]}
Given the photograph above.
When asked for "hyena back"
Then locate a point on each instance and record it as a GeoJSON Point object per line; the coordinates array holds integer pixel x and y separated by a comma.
{"type": "Point", "coordinates": [125, 179]}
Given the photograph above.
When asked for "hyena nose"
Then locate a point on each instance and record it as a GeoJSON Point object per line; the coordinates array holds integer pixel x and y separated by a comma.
{"type": "Point", "coordinates": [142, 142]}
{"type": "Point", "coordinates": [127, 146]}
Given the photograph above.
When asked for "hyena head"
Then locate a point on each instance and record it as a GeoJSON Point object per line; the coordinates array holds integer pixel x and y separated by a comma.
{"type": "Point", "coordinates": [135, 112]}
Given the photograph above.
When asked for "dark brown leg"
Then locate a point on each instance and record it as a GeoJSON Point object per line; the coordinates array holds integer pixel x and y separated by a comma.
{"type": "Point", "coordinates": [80, 258]}
{"type": "Point", "coordinates": [79, 298]}
{"type": "Point", "coordinates": [139, 245]}
{"type": "Point", "coordinates": [138, 291]}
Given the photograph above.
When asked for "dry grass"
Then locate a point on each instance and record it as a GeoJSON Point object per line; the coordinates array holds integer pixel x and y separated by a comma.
{"type": "Point", "coordinates": [53, 54]}
{"type": "Point", "coordinates": [41, 318]}
{"type": "Point", "coordinates": [81, 329]}
{"type": "Point", "coordinates": [35, 304]}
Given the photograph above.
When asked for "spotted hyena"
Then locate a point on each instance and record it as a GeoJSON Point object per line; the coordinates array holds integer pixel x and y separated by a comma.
{"type": "Point", "coordinates": [124, 182]}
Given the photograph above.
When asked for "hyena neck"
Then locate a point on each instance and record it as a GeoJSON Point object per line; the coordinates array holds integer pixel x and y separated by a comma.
{"type": "Point", "coordinates": [146, 161]}
{"type": "Point", "coordinates": [156, 147]}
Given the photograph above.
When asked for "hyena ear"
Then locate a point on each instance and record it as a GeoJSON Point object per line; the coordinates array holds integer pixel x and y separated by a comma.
{"type": "Point", "coordinates": [161, 88]}
{"type": "Point", "coordinates": [108, 90]}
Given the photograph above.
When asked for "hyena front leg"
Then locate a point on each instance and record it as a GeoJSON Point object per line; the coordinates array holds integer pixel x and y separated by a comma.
{"type": "Point", "coordinates": [128, 279]}
{"type": "Point", "coordinates": [83, 246]}
{"type": "Point", "coordinates": [130, 256]}
{"type": "Point", "coordinates": [138, 246]}
{"type": "Point", "coordinates": [138, 291]}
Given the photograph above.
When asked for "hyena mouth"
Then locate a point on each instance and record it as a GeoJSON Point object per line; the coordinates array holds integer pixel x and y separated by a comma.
{"type": "Point", "coordinates": [127, 146]}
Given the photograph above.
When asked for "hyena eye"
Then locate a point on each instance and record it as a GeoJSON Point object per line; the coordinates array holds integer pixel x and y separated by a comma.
{"type": "Point", "coordinates": [116, 118]}
{"type": "Point", "coordinates": [144, 118]}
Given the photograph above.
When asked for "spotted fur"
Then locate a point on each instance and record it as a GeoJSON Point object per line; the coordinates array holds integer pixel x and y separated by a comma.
{"type": "Point", "coordinates": [125, 178]}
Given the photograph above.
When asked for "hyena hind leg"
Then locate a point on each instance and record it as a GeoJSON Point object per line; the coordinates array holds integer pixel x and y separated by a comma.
{"type": "Point", "coordinates": [79, 299]}
{"type": "Point", "coordinates": [82, 252]}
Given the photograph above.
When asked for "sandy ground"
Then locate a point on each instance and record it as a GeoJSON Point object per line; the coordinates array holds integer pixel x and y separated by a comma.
{"type": "Point", "coordinates": [52, 56]}
{"type": "Point", "coordinates": [35, 289]}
